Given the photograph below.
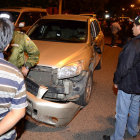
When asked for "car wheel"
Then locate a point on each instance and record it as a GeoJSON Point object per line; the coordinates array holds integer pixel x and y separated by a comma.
{"type": "Point", "coordinates": [85, 97]}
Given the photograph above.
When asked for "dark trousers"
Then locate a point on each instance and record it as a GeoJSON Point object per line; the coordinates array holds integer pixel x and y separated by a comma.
{"type": "Point", "coordinates": [114, 38]}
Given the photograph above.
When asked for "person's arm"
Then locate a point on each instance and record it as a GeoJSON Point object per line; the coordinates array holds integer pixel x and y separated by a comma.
{"type": "Point", "coordinates": [115, 85]}
{"type": "Point", "coordinates": [11, 119]}
{"type": "Point", "coordinates": [25, 70]}
{"type": "Point", "coordinates": [126, 61]}
{"type": "Point", "coordinates": [32, 55]}
{"type": "Point", "coordinates": [32, 52]}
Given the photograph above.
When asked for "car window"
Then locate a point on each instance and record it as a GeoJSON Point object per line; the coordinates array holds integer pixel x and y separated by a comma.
{"type": "Point", "coordinates": [30, 17]}
{"type": "Point", "coordinates": [43, 14]}
{"type": "Point", "coordinates": [95, 29]}
{"type": "Point", "coordinates": [14, 15]}
{"type": "Point", "coordinates": [59, 30]}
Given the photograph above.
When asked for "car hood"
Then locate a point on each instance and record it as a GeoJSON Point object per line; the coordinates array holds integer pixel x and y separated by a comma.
{"type": "Point", "coordinates": [58, 54]}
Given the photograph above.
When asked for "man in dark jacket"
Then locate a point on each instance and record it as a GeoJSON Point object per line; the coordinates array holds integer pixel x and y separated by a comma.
{"type": "Point", "coordinates": [127, 80]}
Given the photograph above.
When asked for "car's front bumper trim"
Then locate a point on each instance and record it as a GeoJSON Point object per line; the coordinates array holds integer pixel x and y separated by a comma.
{"type": "Point", "coordinates": [56, 114]}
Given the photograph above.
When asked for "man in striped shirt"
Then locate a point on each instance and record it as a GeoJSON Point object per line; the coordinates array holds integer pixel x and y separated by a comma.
{"type": "Point", "coordinates": [12, 88]}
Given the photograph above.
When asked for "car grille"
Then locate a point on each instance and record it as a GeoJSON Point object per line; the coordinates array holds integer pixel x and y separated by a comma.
{"type": "Point", "coordinates": [43, 75]}
{"type": "Point", "coordinates": [31, 86]}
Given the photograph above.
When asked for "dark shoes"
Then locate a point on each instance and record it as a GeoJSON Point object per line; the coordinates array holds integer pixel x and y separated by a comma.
{"type": "Point", "coordinates": [105, 137]}
{"type": "Point", "coordinates": [134, 136]}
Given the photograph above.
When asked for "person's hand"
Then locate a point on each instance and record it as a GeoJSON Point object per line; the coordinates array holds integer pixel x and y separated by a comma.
{"type": "Point", "coordinates": [115, 85]}
{"type": "Point", "coordinates": [24, 71]}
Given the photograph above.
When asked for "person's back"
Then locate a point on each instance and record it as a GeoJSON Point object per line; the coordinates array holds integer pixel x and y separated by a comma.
{"type": "Point", "coordinates": [115, 27]}
{"type": "Point", "coordinates": [11, 87]}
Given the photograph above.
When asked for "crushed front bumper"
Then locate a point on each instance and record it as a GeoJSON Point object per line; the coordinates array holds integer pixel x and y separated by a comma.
{"type": "Point", "coordinates": [53, 113]}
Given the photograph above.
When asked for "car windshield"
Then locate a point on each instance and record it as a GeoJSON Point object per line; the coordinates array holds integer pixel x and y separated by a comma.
{"type": "Point", "coordinates": [59, 30]}
{"type": "Point", "coordinates": [12, 15]}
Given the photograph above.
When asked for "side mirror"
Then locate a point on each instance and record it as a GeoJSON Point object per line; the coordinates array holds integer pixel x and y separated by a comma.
{"type": "Point", "coordinates": [97, 49]}
{"type": "Point", "coordinates": [21, 24]}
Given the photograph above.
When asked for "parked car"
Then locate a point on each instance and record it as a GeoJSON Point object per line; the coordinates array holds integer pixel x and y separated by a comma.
{"type": "Point", "coordinates": [124, 18]}
{"type": "Point", "coordinates": [23, 17]}
{"type": "Point", "coordinates": [89, 14]}
{"type": "Point", "coordinates": [60, 85]}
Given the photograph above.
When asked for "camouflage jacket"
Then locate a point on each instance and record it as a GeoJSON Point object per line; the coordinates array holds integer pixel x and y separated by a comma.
{"type": "Point", "coordinates": [23, 51]}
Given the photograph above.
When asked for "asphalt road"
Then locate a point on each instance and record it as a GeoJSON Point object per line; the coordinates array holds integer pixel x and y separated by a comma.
{"type": "Point", "coordinates": [93, 121]}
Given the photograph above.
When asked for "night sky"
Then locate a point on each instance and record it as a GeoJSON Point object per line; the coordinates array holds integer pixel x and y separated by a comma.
{"type": "Point", "coordinates": [45, 3]}
{"type": "Point", "coordinates": [76, 6]}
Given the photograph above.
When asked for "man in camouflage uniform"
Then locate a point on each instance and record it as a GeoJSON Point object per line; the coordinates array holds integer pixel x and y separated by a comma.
{"type": "Point", "coordinates": [21, 46]}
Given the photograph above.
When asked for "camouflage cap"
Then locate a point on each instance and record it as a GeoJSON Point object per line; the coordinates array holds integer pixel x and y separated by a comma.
{"type": "Point", "coordinates": [137, 20]}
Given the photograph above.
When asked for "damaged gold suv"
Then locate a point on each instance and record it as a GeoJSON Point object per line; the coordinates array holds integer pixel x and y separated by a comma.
{"type": "Point", "coordinates": [71, 49]}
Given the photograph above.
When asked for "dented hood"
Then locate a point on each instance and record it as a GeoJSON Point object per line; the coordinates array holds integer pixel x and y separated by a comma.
{"type": "Point", "coordinates": [57, 54]}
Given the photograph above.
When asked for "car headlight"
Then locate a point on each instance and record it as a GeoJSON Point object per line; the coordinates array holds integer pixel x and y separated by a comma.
{"type": "Point", "coordinates": [70, 70]}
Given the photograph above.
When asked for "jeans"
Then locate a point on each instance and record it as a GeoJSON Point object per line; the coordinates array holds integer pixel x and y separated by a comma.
{"type": "Point", "coordinates": [126, 104]}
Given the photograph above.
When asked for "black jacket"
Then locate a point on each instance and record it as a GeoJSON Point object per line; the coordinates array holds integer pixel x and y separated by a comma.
{"type": "Point", "coordinates": [127, 75]}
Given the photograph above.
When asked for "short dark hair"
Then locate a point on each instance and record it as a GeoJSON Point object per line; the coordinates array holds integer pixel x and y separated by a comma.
{"type": "Point", "coordinates": [6, 32]}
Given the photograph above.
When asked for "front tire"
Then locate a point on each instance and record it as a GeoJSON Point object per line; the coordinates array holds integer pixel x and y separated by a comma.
{"type": "Point", "coordinates": [85, 97]}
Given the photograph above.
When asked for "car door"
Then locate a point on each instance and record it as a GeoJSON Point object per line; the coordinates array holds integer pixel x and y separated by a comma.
{"type": "Point", "coordinates": [96, 38]}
